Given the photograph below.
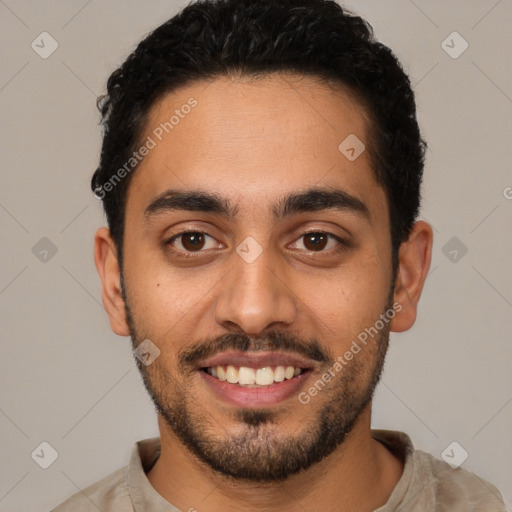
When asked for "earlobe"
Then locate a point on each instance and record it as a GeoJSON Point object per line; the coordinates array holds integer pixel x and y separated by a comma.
{"type": "Point", "coordinates": [107, 265]}
{"type": "Point", "coordinates": [414, 262]}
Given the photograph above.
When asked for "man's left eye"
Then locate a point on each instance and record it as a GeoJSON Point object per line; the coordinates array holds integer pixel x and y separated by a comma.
{"type": "Point", "coordinates": [319, 241]}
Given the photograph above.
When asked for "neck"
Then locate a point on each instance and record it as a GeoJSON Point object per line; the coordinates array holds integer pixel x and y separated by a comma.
{"type": "Point", "coordinates": [359, 475]}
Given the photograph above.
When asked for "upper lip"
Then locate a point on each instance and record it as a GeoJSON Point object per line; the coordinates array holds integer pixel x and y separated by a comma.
{"type": "Point", "coordinates": [257, 360]}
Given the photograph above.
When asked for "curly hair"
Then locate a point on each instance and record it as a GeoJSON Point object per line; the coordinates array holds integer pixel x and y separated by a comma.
{"type": "Point", "coordinates": [319, 38]}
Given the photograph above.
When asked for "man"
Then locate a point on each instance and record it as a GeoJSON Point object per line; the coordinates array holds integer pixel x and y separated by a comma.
{"type": "Point", "coordinates": [260, 171]}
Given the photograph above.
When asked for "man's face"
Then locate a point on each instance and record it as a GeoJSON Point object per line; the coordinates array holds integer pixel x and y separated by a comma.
{"type": "Point", "coordinates": [267, 287]}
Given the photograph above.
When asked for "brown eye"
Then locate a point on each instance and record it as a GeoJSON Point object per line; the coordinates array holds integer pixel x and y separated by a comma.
{"type": "Point", "coordinates": [315, 241]}
{"type": "Point", "coordinates": [319, 241]}
{"type": "Point", "coordinates": [190, 241]}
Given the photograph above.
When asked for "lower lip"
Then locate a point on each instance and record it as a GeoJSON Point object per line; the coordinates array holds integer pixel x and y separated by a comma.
{"type": "Point", "coordinates": [255, 397]}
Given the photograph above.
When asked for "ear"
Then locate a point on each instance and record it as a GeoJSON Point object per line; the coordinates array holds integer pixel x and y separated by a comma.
{"type": "Point", "coordinates": [415, 256]}
{"type": "Point", "coordinates": [107, 265]}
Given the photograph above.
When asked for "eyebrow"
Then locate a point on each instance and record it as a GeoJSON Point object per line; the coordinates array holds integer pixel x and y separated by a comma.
{"type": "Point", "coordinates": [310, 200]}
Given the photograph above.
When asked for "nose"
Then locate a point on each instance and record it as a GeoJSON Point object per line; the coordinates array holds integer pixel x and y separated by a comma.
{"type": "Point", "coordinates": [255, 296]}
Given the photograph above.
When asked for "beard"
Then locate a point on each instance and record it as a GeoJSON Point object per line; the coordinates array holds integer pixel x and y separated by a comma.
{"type": "Point", "coordinates": [256, 450]}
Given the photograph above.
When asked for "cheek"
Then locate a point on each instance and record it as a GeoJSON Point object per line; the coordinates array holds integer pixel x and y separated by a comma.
{"type": "Point", "coordinates": [169, 305]}
{"type": "Point", "coordinates": [348, 302]}
{"type": "Point", "coordinates": [157, 290]}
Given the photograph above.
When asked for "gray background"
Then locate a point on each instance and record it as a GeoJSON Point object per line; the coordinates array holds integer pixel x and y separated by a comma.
{"type": "Point", "coordinates": [68, 380]}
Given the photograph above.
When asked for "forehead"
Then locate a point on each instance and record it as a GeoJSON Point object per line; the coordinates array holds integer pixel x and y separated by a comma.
{"type": "Point", "coordinates": [254, 141]}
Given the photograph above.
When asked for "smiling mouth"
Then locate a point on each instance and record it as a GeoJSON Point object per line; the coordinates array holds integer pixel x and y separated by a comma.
{"type": "Point", "coordinates": [248, 377]}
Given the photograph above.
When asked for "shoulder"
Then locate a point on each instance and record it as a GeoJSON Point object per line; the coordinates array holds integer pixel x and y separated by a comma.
{"type": "Point", "coordinates": [109, 493]}
{"type": "Point", "coordinates": [429, 483]}
{"type": "Point", "coordinates": [458, 489]}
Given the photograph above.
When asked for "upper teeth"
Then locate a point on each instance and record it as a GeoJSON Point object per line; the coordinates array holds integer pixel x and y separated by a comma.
{"type": "Point", "coordinates": [253, 376]}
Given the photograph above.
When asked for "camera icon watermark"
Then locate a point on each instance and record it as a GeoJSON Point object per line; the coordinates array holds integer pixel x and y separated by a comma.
{"type": "Point", "coordinates": [454, 454]}
{"type": "Point", "coordinates": [454, 249]}
{"type": "Point", "coordinates": [44, 45]}
{"type": "Point", "coordinates": [249, 249]}
{"type": "Point", "coordinates": [352, 147]}
{"type": "Point", "coordinates": [146, 352]}
{"type": "Point", "coordinates": [44, 250]}
{"type": "Point", "coordinates": [454, 45]}
{"type": "Point", "coordinates": [44, 455]}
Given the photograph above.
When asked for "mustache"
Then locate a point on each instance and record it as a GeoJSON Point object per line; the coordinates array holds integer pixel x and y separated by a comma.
{"type": "Point", "coordinates": [274, 341]}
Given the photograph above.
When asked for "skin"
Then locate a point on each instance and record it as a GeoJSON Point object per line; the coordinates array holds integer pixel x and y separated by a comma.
{"type": "Point", "coordinates": [276, 135]}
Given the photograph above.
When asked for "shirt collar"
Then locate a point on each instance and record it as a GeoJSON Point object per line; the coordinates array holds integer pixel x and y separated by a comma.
{"type": "Point", "coordinates": [143, 495]}
{"type": "Point", "coordinates": [146, 452]}
{"type": "Point", "coordinates": [417, 481]}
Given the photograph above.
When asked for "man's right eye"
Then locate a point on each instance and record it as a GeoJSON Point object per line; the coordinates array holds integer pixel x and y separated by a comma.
{"type": "Point", "coordinates": [190, 241]}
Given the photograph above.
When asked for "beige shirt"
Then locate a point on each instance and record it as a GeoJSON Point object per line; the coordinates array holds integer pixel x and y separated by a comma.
{"type": "Point", "coordinates": [427, 484]}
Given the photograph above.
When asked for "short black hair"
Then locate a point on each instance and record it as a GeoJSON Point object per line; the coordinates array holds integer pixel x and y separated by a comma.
{"type": "Point", "coordinates": [318, 38]}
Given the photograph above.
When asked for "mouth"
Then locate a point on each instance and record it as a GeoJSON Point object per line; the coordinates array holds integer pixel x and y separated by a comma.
{"type": "Point", "coordinates": [255, 379]}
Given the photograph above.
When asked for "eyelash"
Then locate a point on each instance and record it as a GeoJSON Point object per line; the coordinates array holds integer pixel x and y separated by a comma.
{"type": "Point", "coordinates": [342, 244]}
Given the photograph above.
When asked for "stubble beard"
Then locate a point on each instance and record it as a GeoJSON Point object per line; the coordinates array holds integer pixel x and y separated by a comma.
{"type": "Point", "coordinates": [256, 451]}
